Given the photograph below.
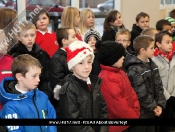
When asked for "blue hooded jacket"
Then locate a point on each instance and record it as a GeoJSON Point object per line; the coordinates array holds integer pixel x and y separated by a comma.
{"type": "Point", "coordinates": [31, 105]}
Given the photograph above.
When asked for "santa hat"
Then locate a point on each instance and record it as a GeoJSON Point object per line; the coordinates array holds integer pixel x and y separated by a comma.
{"type": "Point", "coordinates": [76, 52]}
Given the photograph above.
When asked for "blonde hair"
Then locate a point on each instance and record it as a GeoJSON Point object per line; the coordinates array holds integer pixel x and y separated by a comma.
{"type": "Point", "coordinates": [83, 16]}
{"type": "Point", "coordinates": [68, 16]}
{"type": "Point", "coordinates": [149, 31]}
{"type": "Point", "coordinates": [25, 25]}
{"type": "Point", "coordinates": [123, 32]}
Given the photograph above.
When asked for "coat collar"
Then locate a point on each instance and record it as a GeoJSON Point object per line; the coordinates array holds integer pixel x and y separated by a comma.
{"type": "Point", "coordinates": [42, 32]}
{"type": "Point", "coordinates": [110, 68]}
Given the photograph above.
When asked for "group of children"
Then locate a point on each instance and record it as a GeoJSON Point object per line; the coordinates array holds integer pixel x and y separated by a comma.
{"type": "Point", "coordinates": [127, 75]}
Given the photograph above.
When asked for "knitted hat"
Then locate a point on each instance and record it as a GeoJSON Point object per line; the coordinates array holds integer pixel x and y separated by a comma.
{"type": "Point", "coordinates": [90, 33]}
{"type": "Point", "coordinates": [109, 52]}
{"type": "Point", "coordinates": [171, 20]}
{"type": "Point", "coordinates": [76, 52]}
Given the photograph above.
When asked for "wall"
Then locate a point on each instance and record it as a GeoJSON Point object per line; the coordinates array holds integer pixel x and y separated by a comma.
{"type": "Point", "coordinates": [130, 8]}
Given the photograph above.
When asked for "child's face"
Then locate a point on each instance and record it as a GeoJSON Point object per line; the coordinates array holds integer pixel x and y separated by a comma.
{"type": "Point", "coordinates": [172, 28]}
{"type": "Point", "coordinates": [149, 52]}
{"type": "Point", "coordinates": [3, 44]}
{"type": "Point", "coordinates": [166, 44]}
{"type": "Point", "coordinates": [83, 68]}
{"type": "Point", "coordinates": [119, 63]}
{"type": "Point", "coordinates": [77, 20]}
{"type": "Point", "coordinates": [167, 28]}
{"type": "Point", "coordinates": [118, 21]}
{"type": "Point", "coordinates": [71, 37]}
{"type": "Point", "coordinates": [28, 38]}
{"type": "Point", "coordinates": [143, 22]}
{"type": "Point", "coordinates": [31, 79]}
{"type": "Point", "coordinates": [123, 39]}
{"type": "Point", "coordinates": [43, 22]}
{"type": "Point", "coordinates": [92, 40]}
{"type": "Point", "coordinates": [90, 20]}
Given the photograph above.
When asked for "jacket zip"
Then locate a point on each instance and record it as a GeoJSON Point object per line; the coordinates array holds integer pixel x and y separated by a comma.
{"type": "Point", "coordinates": [94, 92]}
{"type": "Point", "coordinates": [92, 101]}
{"type": "Point", "coordinates": [91, 93]}
{"type": "Point", "coordinates": [34, 98]}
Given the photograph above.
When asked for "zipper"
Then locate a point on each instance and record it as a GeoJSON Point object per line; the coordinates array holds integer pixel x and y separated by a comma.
{"type": "Point", "coordinates": [91, 93]}
{"type": "Point", "coordinates": [34, 98]}
{"type": "Point", "coordinates": [92, 101]}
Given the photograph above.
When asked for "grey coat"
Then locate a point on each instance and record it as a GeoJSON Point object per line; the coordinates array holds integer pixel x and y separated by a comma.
{"type": "Point", "coordinates": [167, 74]}
{"type": "Point", "coordinates": [146, 81]}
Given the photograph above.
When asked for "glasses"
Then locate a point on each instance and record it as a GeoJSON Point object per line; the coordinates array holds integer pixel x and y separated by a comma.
{"type": "Point", "coordinates": [121, 41]}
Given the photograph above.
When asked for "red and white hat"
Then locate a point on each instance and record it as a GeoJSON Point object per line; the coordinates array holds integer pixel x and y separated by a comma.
{"type": "Point", "coordinates": [76, 52]}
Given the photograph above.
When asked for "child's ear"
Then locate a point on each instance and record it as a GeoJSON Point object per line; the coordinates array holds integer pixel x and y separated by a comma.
{"type": "Point", "coordinates": [110, 23]}
{"type": "Point", "coordinates": [158, 44]}
{"type": "Point", "coordinates": [137, 24]}
{"type": "Point", "coordinates": [18, 37]}
{"type": "Point", "coordinates": [64, 41]}
{"type": "Point", "coordinates": [18, 76]}
{"type": "Point", "coordinates": [129, 42]}
{"type": "Point", "coordinates": [142, 50]}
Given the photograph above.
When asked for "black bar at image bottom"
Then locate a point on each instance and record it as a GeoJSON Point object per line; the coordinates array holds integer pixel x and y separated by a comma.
{"type": "Point", "coordinates": [108, 122]}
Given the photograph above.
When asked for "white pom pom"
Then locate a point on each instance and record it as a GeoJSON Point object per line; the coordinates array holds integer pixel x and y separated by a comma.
{"type": "Point", "coordinates": [56, 92]}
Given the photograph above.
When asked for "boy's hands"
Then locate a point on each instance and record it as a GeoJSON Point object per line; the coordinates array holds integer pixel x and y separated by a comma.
{"type": "Point", "coordinates": [158, 111]}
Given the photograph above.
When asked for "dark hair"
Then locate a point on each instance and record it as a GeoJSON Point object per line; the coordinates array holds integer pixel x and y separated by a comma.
{"type": "Point", "coordinates": [110, 17]}
{"type": "Point", "coordinates": [141, 14]}
{"type": "Point", "coordinates": [142, 41]}
{"type": "Point", "coordinates": [172, 13]}
{"type": "Point", "coordinates": [35, 18]}
{"type": "Point", "coordinates": [62, 33]}
{"type": "Point", "coordinates": [159, 36]}
{"type": "Point", "coordinates": [22, 63]}
{"type": "Point", "coordinates": [161, 23]}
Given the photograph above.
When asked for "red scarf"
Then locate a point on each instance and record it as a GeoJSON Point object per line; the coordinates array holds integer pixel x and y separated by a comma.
{"type": "Point", "coordinates": [163, 54]}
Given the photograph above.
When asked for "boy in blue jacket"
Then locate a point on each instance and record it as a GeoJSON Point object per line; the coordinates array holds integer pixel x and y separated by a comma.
{"type": "Point", "coordinates": [21, 99]}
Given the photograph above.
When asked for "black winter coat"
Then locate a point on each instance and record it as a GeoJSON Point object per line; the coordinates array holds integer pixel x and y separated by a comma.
{"type": "Point", "coordinates": [42, 57]}
{"type": "Point", "coordinates": [96, 66]}
{"type": "Point", "coordinates": [110, 34]}
{"type": "Point", "coordinates": [136, 31]}
{"type": "Point", "coordinates": [146, 81]}
{"type": "Point", "coordinates": [77, 102]}
{"type": "Point", "coordinates": [58, 68]}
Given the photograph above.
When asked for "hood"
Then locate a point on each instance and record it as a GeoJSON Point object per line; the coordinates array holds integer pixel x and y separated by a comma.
{"type": "Point", "coordinates": [130, 60]}
{"type": "Point", "coordinates": [135, 27]}
{"type": "Point", "coordinates": [20, 48]}
{"type": "Point", "coordinates": [8, 91]}
{"type": "Point", "coordinates": [59, 52]}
